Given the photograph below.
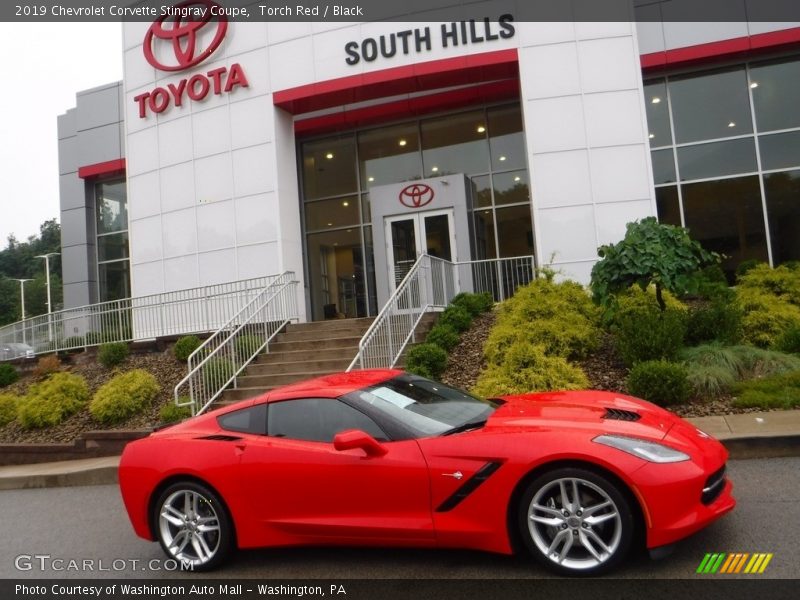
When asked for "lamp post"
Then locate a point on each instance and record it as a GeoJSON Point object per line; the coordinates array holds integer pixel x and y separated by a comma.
{"type": "Point", "coordinates": [22, 300]}
{"type": "Point", "coordinates": [46, 258]}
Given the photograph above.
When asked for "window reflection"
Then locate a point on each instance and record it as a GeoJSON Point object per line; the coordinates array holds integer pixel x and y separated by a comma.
{"type": "Point", "coordinates": [336, 212]}
{"type": "Point", "coordinates": [112, 247]}
{"type": "Point", "coordinates": [506, 140]}
{"type": "Point", "coordinates": [389, 155]}
{"type": "Point", "coordinates": [514, 231]}
{"type": "Point", "coordinates": [717, 159]}
{"type": "Point", "coordinates": [329, 167]}
{"type": "Point", "coordinates": [668, 205]}
{"type": "Point", "coordinates": [455, 144]}
{"type": "Point", "coordinates": [114, 281]}
{"type": "Point", "coordinates": [112, 207]}
{"type": "Point", "coordinates": [482, 191]}
{"type": "Point", "coordinates": [663, 166]}
{"type": "Point", "coordinates": [783, 198]}
{"type": "Point", "coordinates": [780, 151]}
{"type": "Point", "coordinates": [776, 95]}
{"type": "Point", "coordinates": [655, 97]}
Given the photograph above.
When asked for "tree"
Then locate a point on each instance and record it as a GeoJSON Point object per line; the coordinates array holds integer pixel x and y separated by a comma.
{"type": "Point", "coordinates": [654, 254]}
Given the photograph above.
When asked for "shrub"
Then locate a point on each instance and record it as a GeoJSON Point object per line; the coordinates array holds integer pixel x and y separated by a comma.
{"type": "Point", "coordinates": [185, 346]}
{"type": "Point", "coordinates": [746, 266]}
{"type": "Point", "coordinates": [123, 396]}
{"type": "Point", "coordinates": [172, 413]}
{"type": "Point", "coordinates": [475, 304]}
{"type": "Point", "coordinates": [443, 336]}
{"type": "Point", "coordinates": [527, 368]}
{"type": "Point", "coordinates": [778, 391]}
{"type": "Point", "coordinates": [8, 374]}
{"type": "Point", "coordinates": [427, 360]}
{"type": "Point", "coordinates": [217, 371]}
{"type": "Point", "coordinates": [661, 382]}
{"type": "Point", "coordinates": [112, 354]}
{"type": "Point", "coordinates": [716, 320]}
{"type": "Point", "coordinates": [75, 341]}
{"type": "Point", "coordinates": [47, 365]}
{"type": "Point", "coordinates": [8, 408]}
{"type": "Point", "coordinates": [246, 345]}
{"type": "Point", "coordinates": [51, 401]}
{"type": "Point", "coordinates": [790, 340]}
{"type": "Point", "coordinates": [644, 333]}
{"type": "Point", "coordinates": [770, 299]}
{"type": "Point", "coordinates": [709, 381]}
{"type": "Point", "coordinates": [456, 317]}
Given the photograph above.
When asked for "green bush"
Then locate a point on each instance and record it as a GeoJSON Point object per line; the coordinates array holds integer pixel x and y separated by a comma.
{"type": "Point", "coordinates": [528, 368]}
{"type": "Point", "coordinates": [8, 408]}
{"type": "Point", "coordinates": [456, 317]}
{"type": "Point", "coordinates": [709, 381]}
{"type": "Point", "coordinates": [716, 320]}
{"type": "Point", "coordinates": [770, 299]}
{"type": "Point", "coordinates": [475, 304]}
{"type": "Point", "coordinates": [123, 396]}
{"type": "Point", "coordinates": [185, 346]}
{"type": "Point", "coordinates": [789, 341]}
{"type": "Point", "coordinates": [112, 354]}
{"type": "Point", "coordinates": [217, 371]}
{"type": "Point", "coordinates": [778, 391]}
{"type": "Point", "coordinates": [443, 336]}
{"type": "Point", "coordinates": [172, 413]}
{"type": "Point", "coordinates": [246, 345]}
{"type": "Point", "coordinates": [643, 332]}
{"type": "Point", "coordinates": [8, 374]}
{"type": "Point", "coordinates": [661, 382]}
{"type": "Point", "coordinates": [427, 360]}
{"type": "Point", "coordinates": [53, 400]}
{"type": "Point", "coordinates": [746, 266]}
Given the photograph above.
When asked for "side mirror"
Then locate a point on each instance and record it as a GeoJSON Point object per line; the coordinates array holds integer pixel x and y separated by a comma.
{"type": "Point", "coordinates": [355, 438]}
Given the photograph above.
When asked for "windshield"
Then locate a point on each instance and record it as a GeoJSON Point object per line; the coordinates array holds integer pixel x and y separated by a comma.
{"type": "Point", "coordinates": [425, 407]}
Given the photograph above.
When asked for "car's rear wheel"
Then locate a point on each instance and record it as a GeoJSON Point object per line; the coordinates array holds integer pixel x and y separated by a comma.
{"type": "Point", "coordinates": [193, 526]}
{"type": "Point", "coordinates": [576, 522]}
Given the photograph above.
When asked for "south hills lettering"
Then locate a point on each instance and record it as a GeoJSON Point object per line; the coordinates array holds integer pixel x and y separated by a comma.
{"type": "Point", "coordinates": [458, 33]}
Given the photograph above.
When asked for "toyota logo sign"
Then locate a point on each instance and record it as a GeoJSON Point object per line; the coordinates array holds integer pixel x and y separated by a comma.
{"type": "Point", "coordinates": [416, 195]}
{"type": "Point", "coordinates": [182, 34]}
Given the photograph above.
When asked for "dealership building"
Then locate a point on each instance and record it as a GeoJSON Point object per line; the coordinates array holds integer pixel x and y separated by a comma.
{"type": "Point", "coordinates": [342, 151]}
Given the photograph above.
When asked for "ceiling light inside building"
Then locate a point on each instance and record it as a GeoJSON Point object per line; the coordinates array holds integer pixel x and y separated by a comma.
{"type": "Point", "coordinates": [402, 142]}
{"type": "Point", "coordinates": [656, 100]}
{"type": "Point", "coordinates": [330, 224]}
{"type": "Point", "coordinates": [329, 155]}
{"type": "Point", "coordinates": [502, 158]}
{"type": "Point", "coordinates": [652, 135]}
{"type": "Point", "coordinates": [481, 129]}
{"type": "Point", "coordinates": [754, 85]}
{"type": "Point", "coordinates": [731, 124]}
{"type": "Point", "coordinates": [370, 179]}
{"type": "Point", "coordinates": [345, 203]}
{"type": "Point", "coordinates": [517, 178]}
{"type": "Point", "coordinates": [435, 169]}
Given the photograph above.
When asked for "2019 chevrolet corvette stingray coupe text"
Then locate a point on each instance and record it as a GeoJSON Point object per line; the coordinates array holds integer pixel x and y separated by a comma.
{"type": "Point", "coordinates": [385, 458]}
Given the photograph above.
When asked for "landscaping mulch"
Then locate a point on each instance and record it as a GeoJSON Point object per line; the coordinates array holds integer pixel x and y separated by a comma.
{"type": "Point", "coordinates": [163, 365]}
{"type": "Point", "coordinates": [465, 362]}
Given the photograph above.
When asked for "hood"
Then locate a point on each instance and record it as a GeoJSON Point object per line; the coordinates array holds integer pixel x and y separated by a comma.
{"type": "Point", "coordinates": [594, 411]}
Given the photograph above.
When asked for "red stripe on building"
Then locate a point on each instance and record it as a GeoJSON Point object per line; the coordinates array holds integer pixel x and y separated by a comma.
{"type": "Point", "coordinates": [103, 169]}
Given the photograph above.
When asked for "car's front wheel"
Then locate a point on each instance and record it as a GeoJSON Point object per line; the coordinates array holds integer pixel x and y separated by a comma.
{"type": "Point", "coordinates": [193, 526]}
{"type": "Point", "coordinates": [576, 522]}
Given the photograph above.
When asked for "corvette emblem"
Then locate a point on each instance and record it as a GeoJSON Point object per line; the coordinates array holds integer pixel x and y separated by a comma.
{"type": "Point", "coordinates": [456, 475]}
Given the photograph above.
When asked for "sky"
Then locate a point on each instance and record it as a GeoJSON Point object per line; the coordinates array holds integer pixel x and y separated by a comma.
{"type": "Point", "coordinates": [43, 65]}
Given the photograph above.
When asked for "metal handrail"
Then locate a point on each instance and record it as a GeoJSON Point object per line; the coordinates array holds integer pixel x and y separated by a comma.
{"type": "Point", "coordinates": [216, 364]}
{"type": "Point", "coordinates": [430, 285]}
{"type": "Point", "coordinates": [194, 310]}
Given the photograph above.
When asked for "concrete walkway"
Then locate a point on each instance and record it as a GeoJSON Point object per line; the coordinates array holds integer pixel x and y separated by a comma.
{"type": "Point", "coordinates": [752, 435]}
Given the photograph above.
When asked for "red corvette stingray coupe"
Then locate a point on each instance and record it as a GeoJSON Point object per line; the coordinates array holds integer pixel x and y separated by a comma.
{"type": "Point", "coordinates": [387, 458]}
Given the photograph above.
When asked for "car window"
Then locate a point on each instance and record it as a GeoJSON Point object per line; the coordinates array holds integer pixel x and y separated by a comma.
{"type": "Point", "coordinates": [247, 420]}
{"type": "Point", "coordinates": [317, 420]}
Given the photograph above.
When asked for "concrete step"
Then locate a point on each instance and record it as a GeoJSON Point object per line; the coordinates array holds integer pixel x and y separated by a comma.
{"type": "Point", "coordinates": [320, 334]}
{"type": "Point", "coordinates": [283, 364]}
{"type": "Point", "coordinates": [240, 393]}
{"type": "Point", "coordinates": [362, 323]}
{"type": "Point", "coordinates": [318, 344]}
{"type": "Point", "coordinates": [296, 356]}
{"type": "Point", "coordinates": [278, 379]}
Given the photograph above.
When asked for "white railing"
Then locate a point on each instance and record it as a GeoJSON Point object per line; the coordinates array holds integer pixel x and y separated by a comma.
{"type": "Point", "coordinates": [430, 285]}
{"type": "Point", "coordinates": [194, 310]}
{"type": "Point", "coordinates": [215, 365]}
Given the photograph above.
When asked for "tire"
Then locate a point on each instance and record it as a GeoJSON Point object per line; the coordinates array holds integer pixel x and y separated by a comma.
{"type": "Point", "coordinates": [192, 526]}
{"type": "Point", "coordinates": [584, 538]}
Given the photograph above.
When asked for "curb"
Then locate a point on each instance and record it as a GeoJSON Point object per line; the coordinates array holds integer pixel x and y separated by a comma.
{"type": "Point", "coordinates": [773, 446]}
{"type": "Point", "coordinates": [102, 471]}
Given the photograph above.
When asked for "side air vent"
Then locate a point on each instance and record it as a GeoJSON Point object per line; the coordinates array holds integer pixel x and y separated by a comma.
{"type": "Point", "coordinates": [616, 414]}
{"type": "Point", "coordinates": [220, 437]}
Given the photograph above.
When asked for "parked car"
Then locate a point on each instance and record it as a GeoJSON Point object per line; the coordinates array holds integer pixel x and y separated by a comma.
{"type": "Point", "coordinates": [382, 457]}
{"type": "Point", "coordinates": [12, 350]}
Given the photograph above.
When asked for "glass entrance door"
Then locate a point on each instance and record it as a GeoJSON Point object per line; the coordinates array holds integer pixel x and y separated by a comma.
{"type": "Point", "coordinates": [410, 236]}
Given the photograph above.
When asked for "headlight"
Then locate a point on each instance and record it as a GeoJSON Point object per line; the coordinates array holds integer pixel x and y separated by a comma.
{"type": "Point", "coordinates": [650, 451]}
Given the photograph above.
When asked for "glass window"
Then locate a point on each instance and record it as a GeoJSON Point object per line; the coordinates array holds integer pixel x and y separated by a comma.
{"type": "Point", "coordinates": [112, 207]}
{"type": "Point", "coordinates": [389, 155]}
{"type": "Point", "coordinates": [317, 420]}
{"type": "Point", "coordinates": [329, 167]}
{"type": "Point", "coordinates": [336, 274]}
{"type": "Point", "coordinates": [455, 144]}
{"type": "Point", "coordinates": [327, 214]}
{"type": "Point", "coordinates": [726, 216]}
{"type": "Point", "coordinates": [114, 283]}
{"type": "Point", "coordinates": [776, 94]}
{"type": "Point", "coordinates": [511, 188]}
{"type": "Point", "coordinates": [370, 260]}
{"type": "Point", "coordinates": [506, 140]}
{"type": "Point", "coordinates": [514, 231]}
{"type": "Point", "coordinates": [780, 151]}
{"type": "Point", "coordinates": [663, 166]}
{"type": "Point", "coordinates": [112, 247]}
{"type": "Point", "coordinates": [669, 210]}
{"type": "Point", "coordinates": [717, 159]}
{"type": "Point", "coordinates": [783, 211]}
{"type": "Point", "coordinates": [711, 105]}
{"type": "Point", "coordinates": [249, 420]}
{"type": "Point", "coordinates": [482, 191]}
{"type": "Point", "coordinates": [655, 96]}
{"type": "Point", "coordinates": [484, 234]}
